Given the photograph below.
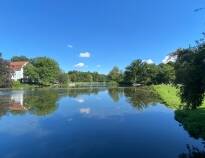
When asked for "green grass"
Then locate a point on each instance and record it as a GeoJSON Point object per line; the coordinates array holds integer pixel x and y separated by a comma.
{"type": "Point", "coordinates": [169, 95]}
{"type": "Point", "coordinates": [192, 120]}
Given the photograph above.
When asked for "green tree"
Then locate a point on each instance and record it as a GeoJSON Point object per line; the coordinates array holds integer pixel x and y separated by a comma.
{"type": "Point", "coordinates": [31, 73]}
{"type": "Point", "coordinates": [5, 73]}
{"type": "Point", "coordinates": [141, 73]}
{"type": "Point", "coordinates": [19, 58]}
{"type": "Point", "coordinates": [43, 70]}
{"type": "Point", "coordinates": [190, 74]}
{"type": "Point", "coordinates": [115, 75]}
{"type": "Point", "coordinates": [63, 78]}
{"type": "Point", "coordinates": [77, 76]}
{"type": "Point", "coordinates": [166, 73]}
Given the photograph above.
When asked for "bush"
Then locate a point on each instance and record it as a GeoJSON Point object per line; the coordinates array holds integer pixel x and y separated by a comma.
{"type": "Point", "coordinates": [16, 84]}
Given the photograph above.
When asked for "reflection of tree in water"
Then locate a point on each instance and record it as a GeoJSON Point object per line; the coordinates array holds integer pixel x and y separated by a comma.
{"type": "Point", "coordinates": [140, 98]}
{"type": "Point", "coordinates": [193, 152]}
{"type": "Point", "coordinates": [4, 101]}
{"type": "Point", "coordinates": [75, 92]}
{"type": "Point", "coordinates": [115, 93]}
{"type": "Point", "coordinates": [41, 102]}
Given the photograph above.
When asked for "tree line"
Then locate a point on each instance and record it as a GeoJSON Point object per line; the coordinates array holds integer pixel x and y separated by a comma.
{"type": "Point", "coordinates": [187, 73]}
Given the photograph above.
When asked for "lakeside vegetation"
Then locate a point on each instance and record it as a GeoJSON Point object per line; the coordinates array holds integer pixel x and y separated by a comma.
{"type": "Point", "coordinates": [192, 120]}
{"type": "Point", "coordinates": [180, 83]}
{"type": "Point", "coordinates": [169, 94]}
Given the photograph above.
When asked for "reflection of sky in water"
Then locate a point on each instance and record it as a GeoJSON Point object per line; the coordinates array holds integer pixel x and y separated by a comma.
{"type": "Point", "coordinates": [93, 125]}
{"type": "Point", "coordinates": [19, 125]}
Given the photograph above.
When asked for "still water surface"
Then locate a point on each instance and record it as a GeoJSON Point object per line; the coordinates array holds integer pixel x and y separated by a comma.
{"type": "Point", "coordinates": [90, 123]}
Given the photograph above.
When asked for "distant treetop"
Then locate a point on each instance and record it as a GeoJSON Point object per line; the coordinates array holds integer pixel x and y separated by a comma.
{"type": "Point", "coordinates": [19, 58]}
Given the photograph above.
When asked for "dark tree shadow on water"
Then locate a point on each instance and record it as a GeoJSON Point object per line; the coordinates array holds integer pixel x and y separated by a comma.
{"type": "Point", "coordinates": [193, 152]}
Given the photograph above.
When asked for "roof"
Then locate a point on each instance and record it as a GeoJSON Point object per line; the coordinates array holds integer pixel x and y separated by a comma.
{"type": "Point", "coordinates": [17, 65]}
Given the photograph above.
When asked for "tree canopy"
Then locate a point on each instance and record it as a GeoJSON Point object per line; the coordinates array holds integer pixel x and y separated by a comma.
{"type": "Point", "coordinates": [77, 76]}
{"type": "Point", "coordinates": [139, 72]}
{"type": "Point", "coordinates": [190, 74]}
{"type": "Point", "coordinates": [5, 73]}
{"type": "Point", "coordinates": [19, 58]}
{"type": "Point", "coordinates": [115, 75]}
{"type": "Point", "coordinates": [43, 70]}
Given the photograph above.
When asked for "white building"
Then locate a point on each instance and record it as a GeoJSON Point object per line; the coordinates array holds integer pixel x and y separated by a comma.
{"type": "Point", "coordinates": [18, 69]}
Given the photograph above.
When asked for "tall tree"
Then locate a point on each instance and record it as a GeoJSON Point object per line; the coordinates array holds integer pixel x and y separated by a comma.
{"type": "Point", "coordinates": [166, 73]}
{"type": "Point", "coordinates": [141, 73]}
{"type": "Point", "coordinates": [5, 73]}
{"type": "Point", "coordinates": [190, 74]}
{"type": "Point", "coordinates": [115, 75]}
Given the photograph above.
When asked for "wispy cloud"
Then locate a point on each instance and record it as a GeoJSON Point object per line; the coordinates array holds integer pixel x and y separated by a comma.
{"type": "Point", "coordinates": [148, 61]}
{"type": "Point", "coordinates": [169, 59]}
{"type": "Point", "coordinates": [85, 54]}
{"type": "Point", "coordinates": [70, 46]}
{"type": "Point", "coordinates": [79, 65]}
{"type": "Point", "coordinates": [98, 66]}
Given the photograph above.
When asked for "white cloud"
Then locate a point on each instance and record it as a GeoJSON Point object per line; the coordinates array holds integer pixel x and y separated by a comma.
{"type": "Point", "coordinates": [98, 65]}
{"type": "Point", "coordinates": [80, 100]}
{"type": "Point", "coordinates": [69, 46]}
{"type": "Point", "coordinates": [169, 59]}
{"type": "Point", "coordinates": [79, 65]}
{"type": "Point", "coordinates": [85, 55]}
{"type": "Point", "coordinates": [148, 61]}
{"type": "Point", "coordinates": [85, 110]}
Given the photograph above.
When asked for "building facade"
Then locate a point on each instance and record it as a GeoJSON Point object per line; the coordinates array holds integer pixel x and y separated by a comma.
{"type": "Point", "coordinates": [18, 69]}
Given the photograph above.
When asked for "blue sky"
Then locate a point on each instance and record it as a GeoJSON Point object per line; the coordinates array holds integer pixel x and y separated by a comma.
{"type": "Point", "coordinates": [105, 32]}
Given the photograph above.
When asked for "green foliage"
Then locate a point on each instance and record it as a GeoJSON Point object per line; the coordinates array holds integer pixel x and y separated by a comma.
{"type": "Point", "coordinates": [5, 73]}
{"type": "Point", "coordinates": [192, 120]}
{"type": "Point", "coordinates": [16, 84]}
{"type": "Point", "coordinates": [112, 84]}
{"type": "Point", "coordinates": [31, 73]}
{"type": "Point", "coordinates": [115, 75]}
{"type": "Point", "coordinates": [19, 58]}
{"type": "Point", "coordinates": [166, 73]}
{"type": "Point", "coordinates": [190, 74]}
{"type": "Point", "coordinates": [62, 78]}
{"type": "Point", "coordinates": [77, 76]}
{"type": "Point", "coordinates": [139, 72]}
{"type": "Point", "coordinates": [42, 70]}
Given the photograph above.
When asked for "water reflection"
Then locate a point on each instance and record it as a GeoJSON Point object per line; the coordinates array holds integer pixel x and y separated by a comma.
{"type": "Point", "coordinates": [193, 152]}
{"type": "Point", "coordinates": [115, 93]}
{"type": "Point", "coordinates": [41, 102]}
{"type": "Point", "coordinates": [94, 122]}
{"type": "Point", "coordinates": [140, 98]}
{"type": "Point", "coordinates": [44, 102]}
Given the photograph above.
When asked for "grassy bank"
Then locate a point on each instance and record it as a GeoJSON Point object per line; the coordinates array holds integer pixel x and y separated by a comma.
{"type": "Point", "coordinates": [192, 120]}
{"type": "Point", "coordinates": [169, 95]}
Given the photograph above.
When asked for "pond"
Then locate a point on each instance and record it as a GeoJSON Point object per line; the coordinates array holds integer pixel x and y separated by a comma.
{"type": "Point", "coordinates": [91, 123]}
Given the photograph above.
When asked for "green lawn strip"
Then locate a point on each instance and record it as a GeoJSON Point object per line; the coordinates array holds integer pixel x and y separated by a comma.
{"type": "Point", "coordinates": [169, 95]}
